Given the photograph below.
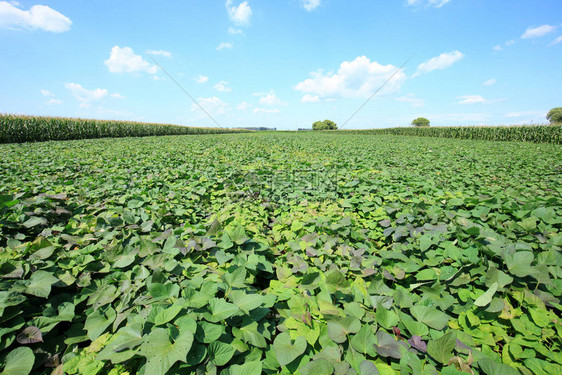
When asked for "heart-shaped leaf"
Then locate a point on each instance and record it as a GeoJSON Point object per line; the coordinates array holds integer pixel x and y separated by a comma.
{"type": "Point", "coordinates": [286, 350]}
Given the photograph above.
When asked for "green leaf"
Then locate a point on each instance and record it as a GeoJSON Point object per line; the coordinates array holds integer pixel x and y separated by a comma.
{"type": "Point", "coordinates": [387, 346]}
{"type": "Point", "coordinates": [220, 310]}
{"type": "Point", "coordinates": [121, 342]}
{"type": "Point", "coordinates": [432, 317]}
{"type": "Point", "coordinates": [98, 321]}
{"type": "Point", "coordinates": [19, 362]}
{"type": "Point", "coordinates": [490, 367]}
{"type": "Point", "coordinates": [249, 334]}
{"type": "Point", "coordinates": [162, 292]}
{"type": "Point", "coordinates": [209, 332]}
{"type": "Point", "coordinates": [287, 350]}
{"type": "Point", "coordinates": [161, 351]}
{"type": "Point", "coordinates": [364, 340]}
{"type": "Point", "coordinates": [248, 368]}
{"type": "Point", "coordinates": [340, 328]}
{"type": "Point", "coordinates": [168, 314]}
{"type": "Point", "coordinates": [246, 302]}
{"type": "Point", "coordinates": [442, 348]}
{"type": "Point", "coordinates": [519, 263]}
{"type": "Point", "coordinates": [34, 221]}
{"type": "Point", "coordinates": [386, 317]}
{"type": "Point", "coordinates": [40, 284]}
{"type": "Point", "coordinates": [317, 367]}
{"type": "Point", "coordinates": [220, 353]}
{"type": "Point", "coordinates": [486, 298]}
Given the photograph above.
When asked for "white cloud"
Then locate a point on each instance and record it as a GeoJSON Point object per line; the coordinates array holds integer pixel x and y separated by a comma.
{"type": "Point", "coordinates": [271, 99]}
{"type": "Point", "coordinates": [243, 106]}
{"type": "Point", "coordinates": [490, 82]}
{"type": "Point", "coordinates": [240, 14]}
{"type": "Point", "coordinates": [443, 61]}
{"type": "Point", "coordinates": [234, 31]}
{"type": "Point", "coordinates": [310, 99]}
{"type": "Point", "coordinates": [433, 3]}
{"type": "Point", "coordinates": [124, 60]}
{"type": "Point", "coordinates": [86, 97]}
{"type": "Point", "coordinates": [159, 53]}
{"type": "Point", "coordinates": [354, 79]}
{"type": "Point", "coordinates": [47, 93]}
{"type": "Point", "coordinates": [224, 45]}
{"type": "Point", "coordinates": [510, 42]}
{"type": "Point", "coordinates": [54, 102]}
{"type": "Point", "coordinates": [410, 98]}
{"type": "Point", "coordinates": [118, 96]}
{"type": "Point", "coordinates": [497, 47]}
{"type": "Point", "coordinates": [310, 5]}
{"type": "Point", "coordinates": [267, 110]}
{"type": "Point", "coordinates": [526, 114]}
{"type": "Point", "coordinates": [222, 86]}
{"type": "Point", "coordinates": [212, 105]}
{"type": "Point", "coordinates": [536, 32]}
{"type": "Point", "coordinates": [472, 99]}
{"type": "Point", "coordinates": [556, 41]}
{"type": "Point", "coordinates": [201, 79]}
{"type": "Point", "coordinates": [37, 17]}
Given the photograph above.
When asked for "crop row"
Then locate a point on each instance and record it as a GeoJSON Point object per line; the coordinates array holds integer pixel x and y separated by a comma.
{"type": "Point", "coordinates": [18, 129]}
{"type": "Point", "coordinates": [534, 133]}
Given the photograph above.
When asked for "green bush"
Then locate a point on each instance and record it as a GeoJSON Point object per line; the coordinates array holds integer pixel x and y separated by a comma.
{"type": "Point", "coordinates": [420, 122]}
{"type": "Point", "coordinates": [555, 116]}
{"type": "Point", "coordinates": [324, 125]}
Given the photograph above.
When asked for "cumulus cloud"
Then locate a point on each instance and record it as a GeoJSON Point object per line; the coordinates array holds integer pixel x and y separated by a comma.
{"type": "Point", "coordinates": [47, 93]}
{"type": "Point", "coordinates": [52, 100]}
{"type": "Point", "coordinates": [224, 45]}
{"type": "Point", "coordinates": [118, 96]}
{"type": "Point", "coordinates": [270, 99]}
{"type": "Point", "coordinates": [536, 32]}
{"type": "Point", "coordinates": [243, 106]}
{"type": "Point", "coordinates": [240, 14]}
{"type": "Point", "coordinates": [201, 79]}
{"type": "Point", "coordinates": [443, 61]}
{"type": "Point", "coordinates": [222, 86]}
{"type": "Point", "coordinates": [556, 41]}
{"type": "Point", "coordinates": [433, 3]}
{"type": "Point", "coordinates": [411, 98]}
{"type": "Point", "coordinates": [490, 82]}
{"type": "Point", "coordinates": [37, 17]}
{"type": "Point", "coordinates": [310, 5]}
{"type": "Point", "coordinates": [267, 110]}
{"type": "Point", "coordinates": [472, 99]}
{"type": "Point", "coordinates": [124, 60]}
{"type": "Point", "coordinates": [234, 31]}
{"type": "Point", "coordinates": [84, 96]}
{"type": "Point", "coordinates": [354, 79]}
{"type": "Point", "coordinates": [213, 105]}
{"type": "Point", "coordinates": [159, 52]}
{"type": "Point", "coordinates": [310, 99]}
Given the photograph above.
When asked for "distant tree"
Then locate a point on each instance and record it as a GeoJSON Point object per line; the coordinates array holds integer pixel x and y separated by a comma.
{"type": "Point", "coordinates": [555, 116]}
{"type": "Point", "coordinates": [420, 122]}
{"type": "Point", "coordinates": [324, 125]}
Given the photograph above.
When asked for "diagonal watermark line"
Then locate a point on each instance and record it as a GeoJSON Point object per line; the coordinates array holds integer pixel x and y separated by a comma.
{"type": "Point", "coordinates": [378, 90]}
{"type": "Point", "coordinates": [182, 89]}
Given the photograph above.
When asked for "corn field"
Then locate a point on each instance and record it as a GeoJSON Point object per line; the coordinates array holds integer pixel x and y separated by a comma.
{"type": "Point", "coordinates": [532, 133]}
{"type": "Point", "coordinates": [19, 129]}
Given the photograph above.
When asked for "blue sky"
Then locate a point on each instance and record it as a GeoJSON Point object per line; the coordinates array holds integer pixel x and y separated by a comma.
{"type": "Point", "coordinates": [283, 63]}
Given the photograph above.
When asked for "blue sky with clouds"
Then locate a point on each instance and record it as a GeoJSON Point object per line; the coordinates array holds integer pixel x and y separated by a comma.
{"type": "Point", "coordinates": [283, 63]}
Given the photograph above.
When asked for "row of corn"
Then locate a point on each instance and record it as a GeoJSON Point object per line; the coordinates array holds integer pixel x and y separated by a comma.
{"type": "Point", "coordinates": [18, 129]}
{"type": "Point", "coordinates": [530, 133]}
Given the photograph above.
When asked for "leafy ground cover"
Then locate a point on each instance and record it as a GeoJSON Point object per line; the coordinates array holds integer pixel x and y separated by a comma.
{"type": "Point", "coordinates": [280, 253]}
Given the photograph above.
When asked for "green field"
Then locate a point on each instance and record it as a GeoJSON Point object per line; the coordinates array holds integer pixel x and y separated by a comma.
{"type": "Point", "coordinates": [310, 253]}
